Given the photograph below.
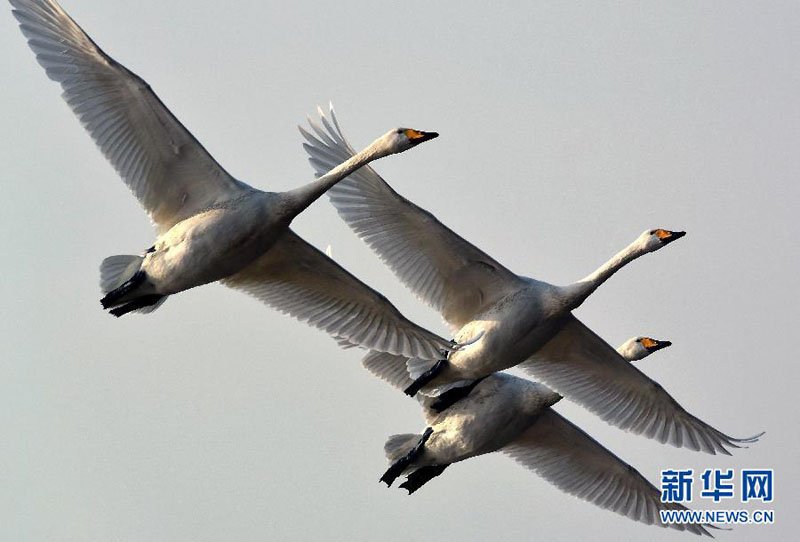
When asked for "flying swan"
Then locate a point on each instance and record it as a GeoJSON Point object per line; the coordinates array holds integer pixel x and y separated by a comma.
{"type": "Point", "coordinates": [513, 415]}
{"type": "Point", "coordinates": [211, 226]}
{"type": "Point", "coordinates": [524, 322]}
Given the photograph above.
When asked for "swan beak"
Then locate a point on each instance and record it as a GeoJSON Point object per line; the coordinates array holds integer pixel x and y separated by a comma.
{"type": "Point", "coordinates": [652, 345]}
{"type": "Point", "coordinates": [417, 136]}
{"type": "Point", "coordinates": [667, 236]}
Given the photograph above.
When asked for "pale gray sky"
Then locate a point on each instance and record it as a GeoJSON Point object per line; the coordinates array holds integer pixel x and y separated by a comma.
{"type": "Point", "coordinates": [566, 130]}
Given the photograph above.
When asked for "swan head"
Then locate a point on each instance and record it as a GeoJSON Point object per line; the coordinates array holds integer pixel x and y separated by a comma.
{"type": "Point", "coordinates": [401, 139]}
{"type": "Point", "coordinates": [652, 240]}
{"type": "Point", "coordinates": [640, 347]}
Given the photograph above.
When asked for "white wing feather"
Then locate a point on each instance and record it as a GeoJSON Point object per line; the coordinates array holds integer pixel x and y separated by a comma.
{"type": "Point", "coordinates": [568, 458]}
{"type": "Point", "coordinates": [297, 279]}
{"type": "Point", "coordinates": [584, 368]}
{"type": "Point", "coordinates": [441, 268]}
{"type": "Point", "coordinates": [388, 367]}
{"type": "Point", "coordinates": [166, 168]}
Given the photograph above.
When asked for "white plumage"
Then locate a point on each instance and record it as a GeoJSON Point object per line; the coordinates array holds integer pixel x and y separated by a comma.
{"type": "Point", "coordinates": [210, 225]}
{"type": "Point", "coordinates": [526, 322]}
{"type": "Point", "coordinates": [513, 415]}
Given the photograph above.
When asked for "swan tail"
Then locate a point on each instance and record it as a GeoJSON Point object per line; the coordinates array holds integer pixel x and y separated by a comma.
{"type": "Point", "coordinates": [399, 445]}
{"type": "Point", "coordinates": [403, 462]}
{"type": "Point", "coordinates": [121, 280]}
{"type": "Point", "coordinates": [116, 270]}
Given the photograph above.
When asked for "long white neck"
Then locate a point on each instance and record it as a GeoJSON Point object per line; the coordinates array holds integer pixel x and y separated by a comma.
{"type": "Point", "coordinates": [578, 292]}
{"type": "Point", "coordinates": [298, 199]}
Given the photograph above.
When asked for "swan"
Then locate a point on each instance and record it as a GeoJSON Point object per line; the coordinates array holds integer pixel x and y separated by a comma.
{"type": "Point", "coordinates": [668, 415]}
{"type": "Point", "coordinates": [524, 322]}
{"type": "Point", "coordinates": [210, 226]}
{"type": "Point", "coordinates": [513, 415]}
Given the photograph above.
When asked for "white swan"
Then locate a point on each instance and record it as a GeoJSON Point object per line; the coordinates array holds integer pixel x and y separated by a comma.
{"type": "Point", "coordinates": [526, 322]}
{"type": "Point", "coordinates": [513, 415]}
{"type": "Point", "coordinates": [211, 226]}
{"type": "Point", "coordinates": [668, 415]}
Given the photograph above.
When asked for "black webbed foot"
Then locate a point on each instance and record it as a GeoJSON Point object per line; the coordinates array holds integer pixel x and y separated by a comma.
{"type": "Point", "coordinates": [113, 296]}
{"type": "Point", "coordinates": [397, 468]}
{"type": "Point", "coordinates": [425, 377]}
{"type": "Point", "coordinates": [422, 476]}
{"type": "Point", "coordinates": [451, 397]}
{"type": "Point", "coordinates": [136, 304]}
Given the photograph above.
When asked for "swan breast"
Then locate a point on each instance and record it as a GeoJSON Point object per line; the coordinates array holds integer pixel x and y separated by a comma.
{"type": "Point", "coordinates": [493, 415]}
{"type": "Point", "coordinates": [215, 243]}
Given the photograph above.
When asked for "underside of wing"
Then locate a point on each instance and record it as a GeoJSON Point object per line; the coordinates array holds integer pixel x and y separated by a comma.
{"type": "Point", "coordinates": [584, 368]}
{"type": "Point", "coordinates": [299, 280]}
{"type": "Point", "coordinates": [166, 168]}
{"type": "Point", "coordinates": [440, 267]}
{"type": "Point", "coordinates": [388, 367]}
{"type": "Point", "coordinates": [568, 458]}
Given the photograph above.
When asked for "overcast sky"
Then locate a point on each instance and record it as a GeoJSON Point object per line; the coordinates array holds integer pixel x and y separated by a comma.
{"type": "Point", "coordinates": [566, 130]}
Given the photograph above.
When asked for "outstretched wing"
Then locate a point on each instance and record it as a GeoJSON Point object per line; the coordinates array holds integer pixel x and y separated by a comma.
{"type": "Point", "coordinates": [166, 168]}
{"type": "Point", "coordinates": [441, 268]}
{"type": "Point", "coordinates": [568, 458]}
{"type": "Point", "coordinates": [584, 368]}
{"type": "Point", "coordinates": [389, 367]}
{"type": "Point", "coordinates": [299, 280]}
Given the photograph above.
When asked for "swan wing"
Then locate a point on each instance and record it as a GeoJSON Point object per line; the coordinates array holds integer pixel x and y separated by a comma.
{"type": "Point", "coordinates": [389, 367]}
{"type": "Point", "coordinates": [440, 267]}
{"type": "Point", "coordinates": [299, 280]}
{"type": "Point", "coordinates": [568, 458]}
{"type": "Point", "coordinates": [584, 368]}
{"type": "Point", "coordinates": [166, 168]}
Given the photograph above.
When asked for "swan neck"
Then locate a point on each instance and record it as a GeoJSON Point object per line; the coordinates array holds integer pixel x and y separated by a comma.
{"type": "Point", "coordinates": [582, 289]}
{"type": "Point", "coordinates": [300, 198]}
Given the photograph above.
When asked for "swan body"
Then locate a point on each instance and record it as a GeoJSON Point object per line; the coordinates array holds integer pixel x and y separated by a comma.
{"type": "Point", "coordinates": [215, 243]}
{"type": "Point", "coordinates": [658, 415]}
{"type": "Point", "coordinates": [210, 225]}
{"type": "Point", "coordinates": [523, 321]}
{"type": "Point", "coordinates": [512, 415]}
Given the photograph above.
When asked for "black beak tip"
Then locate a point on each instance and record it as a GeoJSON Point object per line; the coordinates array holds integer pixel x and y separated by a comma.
{"type": "Point", "coordinates": [424, 136]}
{"type": "Point", "coordinates": [674, 236]}
{"type": "Point", "coordinates": [664, 344]}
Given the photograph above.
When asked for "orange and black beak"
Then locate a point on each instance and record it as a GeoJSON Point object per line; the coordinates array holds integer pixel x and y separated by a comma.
{"type": "Point", "coordinates": [652, 345]}
{"type": "Point", "coordinates": [417, 136]}
{"type": "Point", "coordinates": [667, 236]}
